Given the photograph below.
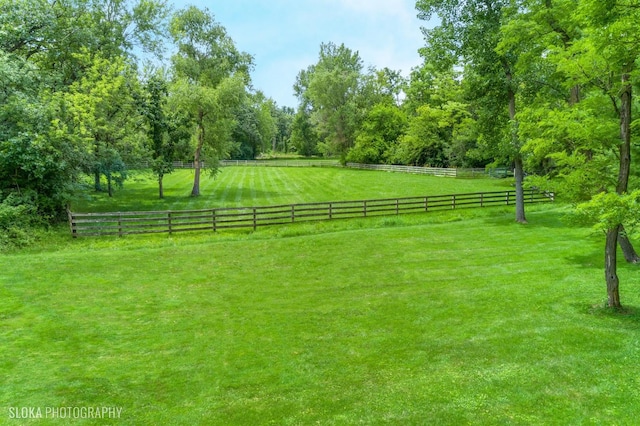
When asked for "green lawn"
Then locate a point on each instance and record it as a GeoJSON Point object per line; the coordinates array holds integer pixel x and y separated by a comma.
{"type": "Point", "coordinates": [450, 318]}
{"type": "Point", "coordinates": [251, 186]}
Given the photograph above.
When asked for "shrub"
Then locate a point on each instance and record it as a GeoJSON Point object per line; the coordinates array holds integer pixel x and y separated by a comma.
{"type": "Point", "coordinates": [19, 221]}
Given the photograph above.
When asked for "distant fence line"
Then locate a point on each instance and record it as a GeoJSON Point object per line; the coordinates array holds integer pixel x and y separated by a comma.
{"type": "Point", "coordinates": [432, 171]}
{"type": "Point", "coordinates": [125, 223]}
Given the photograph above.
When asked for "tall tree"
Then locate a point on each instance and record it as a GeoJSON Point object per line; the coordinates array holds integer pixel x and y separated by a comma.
{"type": "Point", "coordinates": [210, 77]}
{"type": "Point", "coordinates": [468, 36]}
{"type": "Point", "coordinates": [331, 88]}
{"type": "Point", "coordinates": [154, 109]}
{"type": "Point", "coordinates": [590, 48]}
{"type": "Point", "coordinates": [611, 32]}
{"type": "Point", "coordinates": [102, 110]}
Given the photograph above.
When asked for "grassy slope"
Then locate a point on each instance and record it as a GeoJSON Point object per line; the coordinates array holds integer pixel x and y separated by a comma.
{"type": "Point", "coordinates": [443, 319]}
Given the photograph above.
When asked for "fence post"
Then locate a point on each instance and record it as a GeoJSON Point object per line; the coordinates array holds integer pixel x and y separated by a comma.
{"type": "Point", "coordinates": [293, 213]}
{"type": "Point", "coordinates": [213, 219]}
{"type": "Point", "coordinates": [330, 211]}
{"type": "Point", "coordinates": [426, 204]}
{"type": "Point", "coordinates": [364, 208]}
{"type": "Point", "coordinates": [397, 206]}
{"type": "Point", "coordinates": [120, 225]}
{"type": "Point", "coordinates": [255, 219]}
{"type": "Point", "coordinates": [72, 225]}
{"type": "Point", "coordinates": [507, 197]}
{"type": "Point", "coordinates": [453, 202]}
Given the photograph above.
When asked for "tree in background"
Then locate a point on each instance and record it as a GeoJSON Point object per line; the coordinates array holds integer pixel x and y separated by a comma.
{"type": "Point", "coordinates": [210, 79]}
{"type": "Point", "coordinates": [154, 106]}
{"type": "Point", "coordinates": [331, 88]}
{"type": "Point", "coordinates": [381, 129]}
{"type": "Point", "coordinates": [284, 121]}
{"type": "Point", "coordinates": [255, 127]}
{"type": "Point", "coordinates": [304, 136]}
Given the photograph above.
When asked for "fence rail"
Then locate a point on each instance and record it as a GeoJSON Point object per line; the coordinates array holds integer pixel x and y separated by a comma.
{"type": "Point", "coordinates": [125, 223]}
{"type": "Point", "coordinates": [436, 171]}
{"type": "Point", "coordinates": [432, 171]}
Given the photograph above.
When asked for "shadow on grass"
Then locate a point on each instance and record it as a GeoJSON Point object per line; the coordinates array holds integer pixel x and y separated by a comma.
{"type": "Point", "coordinates": [628, 315]}
{"type": "Point", "coordinates": [544, 215]}
{"type": "Point", "coordinates": [146, 199]}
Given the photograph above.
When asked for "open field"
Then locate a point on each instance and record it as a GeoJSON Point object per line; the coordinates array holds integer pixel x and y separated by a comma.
{"type": "Point", "coordinates": [249, 186]}
{"type": "Point", "coordinates": [461, 317]}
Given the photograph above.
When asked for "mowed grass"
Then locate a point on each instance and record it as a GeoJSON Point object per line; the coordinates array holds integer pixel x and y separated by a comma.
{"type": "Point", "coordinates": [259, 186]}
{"type": "Point", "coordinates": [449, 318]}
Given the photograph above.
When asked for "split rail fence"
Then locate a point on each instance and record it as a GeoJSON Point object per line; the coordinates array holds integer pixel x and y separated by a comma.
{"type": "Point", "coordinates": [125, 223]}
{"type": "Point", "coordinates": [432, 171]}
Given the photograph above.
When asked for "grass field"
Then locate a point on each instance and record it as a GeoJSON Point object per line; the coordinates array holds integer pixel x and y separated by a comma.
{"type": "Point", "coordinates": [450, 318]}
{"type": "Point", "coordinates": [252, 186]}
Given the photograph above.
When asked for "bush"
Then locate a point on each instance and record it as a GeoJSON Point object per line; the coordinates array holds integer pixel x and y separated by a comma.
{"type": "Point", "coordinates": [19, 221]}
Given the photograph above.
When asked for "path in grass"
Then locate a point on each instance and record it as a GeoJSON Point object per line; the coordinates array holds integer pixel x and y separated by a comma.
{"type": "Point", "coordinates": [481, 321]}
{"type": "Point", "coordinates": [260, 186]}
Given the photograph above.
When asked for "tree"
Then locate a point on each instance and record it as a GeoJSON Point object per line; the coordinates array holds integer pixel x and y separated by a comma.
{"type": "Point", "coordinates": [331, 88]}
{"type": "Point", "coordinates": [611, 33]}
{"type": "Point", "coordinates": [304, 137]}
{"type": "Point", "coordinates": [588, 50]}
{"type": "Point", "coordinates": [468, 36]}
{"type": "Point", "coordinates": [284, 121]}
{"type": "Point", "coordinates": [380, 131]}
{"type": "Point", "coordinates": [255, 127]}
{"type": "Point", "coordinates": [62, 47]}
{"type": "Point", "coordinates": [210, 79]}
{"type": "Point", "coordinates": [154, 109]}
{"type": "Point", "coordinates": [101, 112]}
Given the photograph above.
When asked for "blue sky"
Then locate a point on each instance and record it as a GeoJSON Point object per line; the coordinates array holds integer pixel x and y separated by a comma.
{"type": "Point", "coordinates": [284, 36]}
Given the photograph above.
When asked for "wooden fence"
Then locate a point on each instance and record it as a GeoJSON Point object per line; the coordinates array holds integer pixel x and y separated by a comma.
{"type": "Point", "coordinates": [259, 163]}
{"type": "Point", "coordinates": [432, 171]}
{"type": "Point", "coordinates": [124, 223]}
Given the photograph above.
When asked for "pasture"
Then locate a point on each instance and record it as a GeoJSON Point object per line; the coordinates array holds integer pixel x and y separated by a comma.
{"type": "Point", "coordinates": [461, 317]}
{"type": "Point", "coordinates": [262, 186]}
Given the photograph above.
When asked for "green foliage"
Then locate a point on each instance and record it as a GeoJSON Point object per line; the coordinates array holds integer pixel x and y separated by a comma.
{"type": "Point", "coordinates": [331, 87]}
{"type": "Point", "coordinates": [607, 210]}
{"type": "Point", "coordinates": [256, 127]}
{"type": "Point", "coordinates": [20, 220]}
{"type": "Point", "coordinates": [424, 143]}
{"type": "Point", "coordinates": [381, 129]}
{"type": "Point", "coordinates": [304, 136]}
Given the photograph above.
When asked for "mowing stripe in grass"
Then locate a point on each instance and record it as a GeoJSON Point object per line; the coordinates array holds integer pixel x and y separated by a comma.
{"type": "Point", "coordinates": [232, 188]}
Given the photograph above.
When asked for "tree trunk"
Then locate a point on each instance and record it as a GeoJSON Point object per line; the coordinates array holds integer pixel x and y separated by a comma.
{"type": "Point", "coordinates": [195, 192]}
{"type": "Point", "coordinates": [626, 93]}
{"type": "Point", "coordinates": [628, 251]}
{"type": "Point", "coordinates": [518, 165]}
{"type": "Point", "coordinates": [109, 184]}
{"type": "Point", "coordinates": [610, 268]}
{"type": "Point", "coordinates": [519, 175]}
{"type": "Point", "coordinates": [625, 134]}
{"type": "Point", "coordinates": [160, 188]}
{"type": "Point", "coordinates": [613, 234]}
{"type": "Point", "coordinates": [96, 181]}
